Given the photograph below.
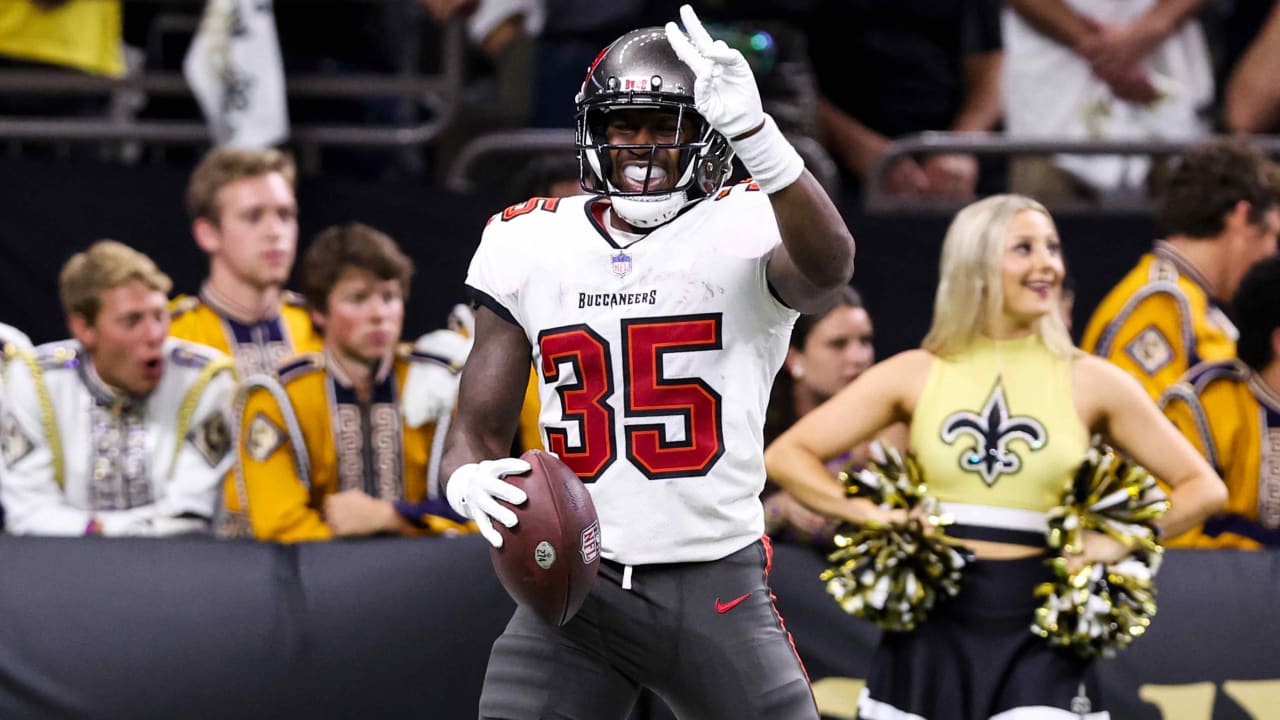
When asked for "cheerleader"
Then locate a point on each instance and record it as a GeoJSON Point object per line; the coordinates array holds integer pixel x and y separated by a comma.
{"type": "Point", "coordinates": [1001, 407]}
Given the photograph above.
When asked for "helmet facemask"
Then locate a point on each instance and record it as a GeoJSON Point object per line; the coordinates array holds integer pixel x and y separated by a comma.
{"type": "Point", "coordinates": [640, 71]}
{"type": "Point", "coordinates": [702, 161]}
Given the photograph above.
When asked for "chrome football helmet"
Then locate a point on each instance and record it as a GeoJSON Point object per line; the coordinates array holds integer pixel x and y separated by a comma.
{"type": "Point", "coordinates": [641, 71]}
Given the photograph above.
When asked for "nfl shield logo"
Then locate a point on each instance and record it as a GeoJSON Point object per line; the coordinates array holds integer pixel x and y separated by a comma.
{"type": "Point", "coordinates": [589, 543]}
{"type": "Point", "coordinates": [621, 264]}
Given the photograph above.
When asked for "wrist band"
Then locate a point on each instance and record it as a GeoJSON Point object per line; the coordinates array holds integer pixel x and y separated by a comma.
{"type": "Point", "coordinates": [770, 158]}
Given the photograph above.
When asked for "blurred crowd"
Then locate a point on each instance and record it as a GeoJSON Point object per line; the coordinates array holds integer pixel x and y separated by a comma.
{"type": "Point", "coordinates": [249, 410]}
{"type": "Point", "coordinates": [851, 75]}
{"type": "Point", "coordinates": [848, 77]}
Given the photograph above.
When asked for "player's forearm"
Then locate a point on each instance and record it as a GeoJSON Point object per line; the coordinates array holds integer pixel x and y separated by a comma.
{"type": "Point", "coordinates": [815, 236]}
{"type": "Point", "coordinates": [490, 394]}
{"type": "Point", "coordinates": [488, 410]}
{"type": "Point", "coordinates": [465, 445]}
{"type": "Point", "coordinates": [814, 233]}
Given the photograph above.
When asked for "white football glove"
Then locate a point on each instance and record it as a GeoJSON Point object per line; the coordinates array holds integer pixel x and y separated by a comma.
{"type": "Point", "coordinates": [726, 95]}
{"type": "Point", "coordinates": [431, 389]}
{"type": "Point", "coordinates": [725, 92]}
{"type": "Point", "coordinates": [474, 489]}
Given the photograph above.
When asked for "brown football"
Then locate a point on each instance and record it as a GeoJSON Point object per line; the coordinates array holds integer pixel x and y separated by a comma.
{"type": "Point", "coordinates": [549, 560]}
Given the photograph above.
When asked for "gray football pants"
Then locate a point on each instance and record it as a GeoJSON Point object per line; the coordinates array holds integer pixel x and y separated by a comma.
{"type": "Point", "coordinates": [705, 637]}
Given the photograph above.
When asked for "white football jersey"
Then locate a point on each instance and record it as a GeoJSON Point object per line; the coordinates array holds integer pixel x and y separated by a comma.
{"type": "Point", "coordinates": [656, 360]}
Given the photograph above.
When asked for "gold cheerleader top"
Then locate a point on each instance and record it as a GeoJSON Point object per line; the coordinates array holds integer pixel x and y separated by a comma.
{"type": "Point", "coordinates": [996, 435]}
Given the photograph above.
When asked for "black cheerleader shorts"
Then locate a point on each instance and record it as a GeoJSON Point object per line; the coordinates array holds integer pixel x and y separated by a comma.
{"type": "Point", "coordinates": [975, 658]}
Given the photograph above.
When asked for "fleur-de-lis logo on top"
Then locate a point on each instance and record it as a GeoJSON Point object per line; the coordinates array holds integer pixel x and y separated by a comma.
{"type": "Point", "coordinates": [993, 429]}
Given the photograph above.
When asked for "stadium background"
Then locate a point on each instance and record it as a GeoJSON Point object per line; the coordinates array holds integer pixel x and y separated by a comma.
{"type": "Point", "coordinates": [388, 629]}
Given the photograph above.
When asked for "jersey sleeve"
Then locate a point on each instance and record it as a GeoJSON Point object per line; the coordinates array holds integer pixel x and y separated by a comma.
{"type": "Point", "coordinates": [753, 235]}
{"type": "Point", "coordinates": [495, 277]}
{"type": "Point", "coordinates": [270, 475]}
{"type": "Point", "coordinates": [1149, 341]}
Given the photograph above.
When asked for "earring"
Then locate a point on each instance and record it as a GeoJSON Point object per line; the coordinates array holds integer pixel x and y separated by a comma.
{"type": "Point", "coordinates": [797, 372]}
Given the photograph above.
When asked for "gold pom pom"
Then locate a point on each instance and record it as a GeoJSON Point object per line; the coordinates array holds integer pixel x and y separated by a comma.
{"type": "Point", "coordinates": [893, 575]}
{"type": "Point", "coordinates": [1099, 609]}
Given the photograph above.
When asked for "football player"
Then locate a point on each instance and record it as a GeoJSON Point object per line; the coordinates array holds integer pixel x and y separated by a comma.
{"type": "Point", "coordinates": [656, 310]}
{"type": "Point", "coordinates": [1219, 208]}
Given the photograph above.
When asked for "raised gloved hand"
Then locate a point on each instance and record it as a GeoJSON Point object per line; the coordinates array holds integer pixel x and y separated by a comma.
{"type": "Point", "coordinates": [475, 488]}
{"type": "Point", "coordinates": [726, 95]}
{"type": "Point", "coordinates": [725, 92]}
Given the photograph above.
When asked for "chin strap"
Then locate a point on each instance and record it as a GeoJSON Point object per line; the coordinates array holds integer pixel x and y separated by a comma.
{"type": "Point", "coordinates": [648, 212]}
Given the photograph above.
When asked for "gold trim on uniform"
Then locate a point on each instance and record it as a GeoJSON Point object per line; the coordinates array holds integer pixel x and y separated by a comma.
{"type": "Point", "coordinates": [60, 356]}
{"type": "Point", "coordinates": [388, 461]}
{"type": "Point", "coordinates": [1159, 320]}
{"type": "Point", "coordinates": [350, 443]}
{"type": "Point", "coordinates": [208, 319]}
{"type": "Point", "coordinates": [336, 444]}
{"type": "Point", "coordinates": [1228, 413]}
{"type": "Point", "coordinates": [1269, 481]}
{"type": "Point", "coordinates": [192, 399]}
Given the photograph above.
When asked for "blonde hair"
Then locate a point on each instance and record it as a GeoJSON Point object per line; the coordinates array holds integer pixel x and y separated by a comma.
{"type": "Point", "coordinates": [225, 165]}
{"type": "Point", "coordinates": [106, 264]}
{"type": "Point", "coordinates": [972, 253]}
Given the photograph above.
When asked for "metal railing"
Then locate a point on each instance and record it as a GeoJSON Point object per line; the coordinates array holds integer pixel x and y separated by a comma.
{"type": "Point", "coordinates": [439, 94]}
{"type": "Point", "coordinates": [532, 142]}
{"type": "Point", "coordinates": [878, 198]}
{"type": "Point", "coordinates": [528, 143]}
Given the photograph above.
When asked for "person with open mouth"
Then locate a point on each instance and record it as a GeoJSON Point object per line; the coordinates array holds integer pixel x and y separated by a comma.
{"type": "Point", "coordinates": [120, 430]}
